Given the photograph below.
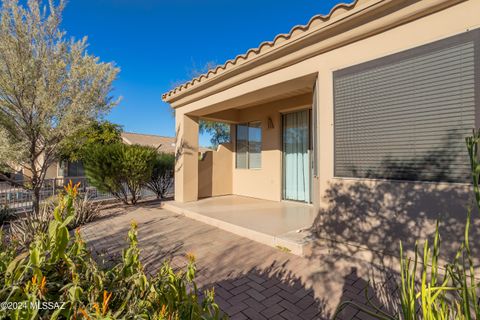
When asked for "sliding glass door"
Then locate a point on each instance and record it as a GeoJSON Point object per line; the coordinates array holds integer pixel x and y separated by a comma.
{"type": "Point", "coordinates": [296, 156]}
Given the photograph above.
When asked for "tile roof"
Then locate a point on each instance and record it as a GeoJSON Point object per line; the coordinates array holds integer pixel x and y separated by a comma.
{"type": "Point", "coordinates": [296, 31]}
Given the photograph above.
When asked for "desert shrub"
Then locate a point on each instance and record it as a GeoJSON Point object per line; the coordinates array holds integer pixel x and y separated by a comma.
{"type": "Point", "coordinates": [25, 229]}
{"type": "Point", "coordinates": [161, 179]}
{"type": "Point", "coordinates": [428, 290]}
{"type": "Point", "coordinates": [58, 268]}
{"type": "Point", "coordinates": [119, 169]}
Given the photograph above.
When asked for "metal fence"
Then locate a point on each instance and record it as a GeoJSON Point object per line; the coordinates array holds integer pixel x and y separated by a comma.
{"type": "Point", "coordinates": [17, 196]}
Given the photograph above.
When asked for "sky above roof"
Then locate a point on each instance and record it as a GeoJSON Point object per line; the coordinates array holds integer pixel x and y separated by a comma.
{"type": "Point", "coordinates": [159, 44]}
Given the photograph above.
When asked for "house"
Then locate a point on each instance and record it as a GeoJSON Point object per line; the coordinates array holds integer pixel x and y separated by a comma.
{"type": "Point", "coordinates": [164, 144]}
{"type": "Point", "coordinates": [68, 170]}
{"type": "Point", "coordinates": [360, 114]}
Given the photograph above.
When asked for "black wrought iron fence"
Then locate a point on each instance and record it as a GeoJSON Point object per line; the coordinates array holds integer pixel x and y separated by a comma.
{"type": "Point", "coordinates": [17, 196]}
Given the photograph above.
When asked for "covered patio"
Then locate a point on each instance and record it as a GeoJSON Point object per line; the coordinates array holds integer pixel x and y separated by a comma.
{"type": "Point", "coordinates": [279, 224]}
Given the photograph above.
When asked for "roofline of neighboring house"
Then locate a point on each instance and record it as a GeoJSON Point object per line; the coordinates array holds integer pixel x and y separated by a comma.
{"type": "Point", "coordinates": [321, 34]}
{"type": "Point", "coordinates": [142, 134]}
{"type": "Point", "coordinates": [146, 134]}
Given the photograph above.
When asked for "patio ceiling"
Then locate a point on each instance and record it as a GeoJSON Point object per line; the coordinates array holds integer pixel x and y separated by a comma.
{"type": "Point", "coordinates": [279, 91]}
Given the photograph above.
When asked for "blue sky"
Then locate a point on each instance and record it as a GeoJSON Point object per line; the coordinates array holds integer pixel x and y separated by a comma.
{"type": "Point", "coordinates": [157, 43]}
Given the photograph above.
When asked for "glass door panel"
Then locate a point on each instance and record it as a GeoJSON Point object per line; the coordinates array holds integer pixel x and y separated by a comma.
{"type": "Point", "coordinates": [296, 156]}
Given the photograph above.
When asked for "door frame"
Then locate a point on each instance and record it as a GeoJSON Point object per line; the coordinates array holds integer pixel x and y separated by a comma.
{"type": "Point", "coordinates": [309, 152]}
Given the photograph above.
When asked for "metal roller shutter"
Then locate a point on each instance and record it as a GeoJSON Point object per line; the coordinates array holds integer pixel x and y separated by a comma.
{"type": "Point", "coordinates": [405, 116]}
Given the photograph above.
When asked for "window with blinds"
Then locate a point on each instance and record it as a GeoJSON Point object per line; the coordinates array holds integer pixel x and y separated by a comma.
{"type": "Point", "coordinates": [406, 116]}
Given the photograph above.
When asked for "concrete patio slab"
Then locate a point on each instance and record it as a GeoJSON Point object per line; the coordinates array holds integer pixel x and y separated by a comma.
{"type": "Point", "coordinates": [277, 224]}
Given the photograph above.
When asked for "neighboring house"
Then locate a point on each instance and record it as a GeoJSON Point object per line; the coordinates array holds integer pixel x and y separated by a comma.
{"type": "Point", "coordinates": [377, 95]}
{"type": "Point", "coordinates": [164, 144]}
{"type": "Point", "coordinates": [67, 169]}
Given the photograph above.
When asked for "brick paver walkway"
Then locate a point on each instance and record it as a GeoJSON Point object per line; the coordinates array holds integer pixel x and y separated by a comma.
{"type": "Point", "coordinates": [251, 280]}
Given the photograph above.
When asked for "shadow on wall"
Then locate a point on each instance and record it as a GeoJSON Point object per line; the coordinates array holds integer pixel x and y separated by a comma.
{"type": "Point", "coordinates": [378, 214]}
{"type": "Point", "coordinates": [182, 148]}
{"type": "Point", "coordinates": [437, 164]}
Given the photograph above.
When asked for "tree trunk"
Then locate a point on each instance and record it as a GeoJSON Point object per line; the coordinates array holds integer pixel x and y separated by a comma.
{"type": "Point", "coordinates": [36, 199]}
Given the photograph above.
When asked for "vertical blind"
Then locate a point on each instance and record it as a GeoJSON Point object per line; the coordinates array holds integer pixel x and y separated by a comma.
{"type": "Point", "coordinates": [406, 116]}
{"type": "Point", "coordinates": [296, 160]}
{"type": "Point", "coordinates": [255, 145]}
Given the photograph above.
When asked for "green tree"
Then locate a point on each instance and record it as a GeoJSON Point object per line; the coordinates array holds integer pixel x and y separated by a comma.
{"type": "Point", "coordinates": [98, 132]}
{"type": "Point", "coordinates": [120, 169]}
{"type": "Point", "coordinates": [219, 131]}
{"type": "Point", "coordinates": [50, 88]}
{"type": "Point", "coordinates": [162, 174]}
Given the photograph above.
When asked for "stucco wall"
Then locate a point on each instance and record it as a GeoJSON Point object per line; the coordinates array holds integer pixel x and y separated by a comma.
{"type": "Point", "coordinates": [372, 213]}
{"type": "Point", "coordinates": [378, 213]}
{"type": "Point", "coordinates": [215, 172]}
{"type": "Point", "coordinates": [266, 182]}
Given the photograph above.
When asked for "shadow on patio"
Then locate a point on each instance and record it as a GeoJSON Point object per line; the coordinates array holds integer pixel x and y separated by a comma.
{"type": "Point", "coordinates": [275, 293]}
{"type": "Point", "coordinates": [251, 280]}
{"type": "Point", "coordinates": [270, 293]}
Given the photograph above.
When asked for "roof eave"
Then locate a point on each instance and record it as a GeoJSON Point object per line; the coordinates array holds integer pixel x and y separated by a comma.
{"type": "Point", "coordinates": [341, 15]}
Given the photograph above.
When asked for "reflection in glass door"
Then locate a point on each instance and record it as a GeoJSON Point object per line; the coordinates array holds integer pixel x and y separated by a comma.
{"type": "Point", "coordinates": [296, 156]}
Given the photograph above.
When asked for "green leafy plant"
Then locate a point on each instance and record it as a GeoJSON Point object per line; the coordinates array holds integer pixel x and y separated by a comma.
{"type": "Point", "coordinates": [122, 170]}
{"type": "Point", "coordinates": [59, 268]}
{"type": "Point", "coordinates": [161, 179]}
{"type": "Point", "coordinates": [428, 291]}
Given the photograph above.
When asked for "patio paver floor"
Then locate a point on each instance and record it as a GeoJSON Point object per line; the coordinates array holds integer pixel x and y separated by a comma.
{"type": "Point", "coordinates": [251, 280]}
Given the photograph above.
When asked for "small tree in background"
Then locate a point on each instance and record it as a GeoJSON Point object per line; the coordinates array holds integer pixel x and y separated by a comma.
{"type": "Point", "coordinates": [50, 88]}
{"type": "Point", "coordinates": [97, 133]}
{"type": "Point", "coordinates": [120, 169]}
{"type": "Point", "coordinates": [219, 131]}
{"type": "Point", "coordinates": [162, 174]}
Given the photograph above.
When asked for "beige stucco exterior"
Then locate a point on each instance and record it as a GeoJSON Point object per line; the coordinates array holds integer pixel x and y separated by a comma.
{"type": "Point", "coordinates": [215, 172]}
{"type": "Point", "coordinates": [280, 77]}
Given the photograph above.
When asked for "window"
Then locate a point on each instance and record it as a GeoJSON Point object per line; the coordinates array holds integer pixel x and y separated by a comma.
{"type": "Point", "coordinates": [405, 116]}
{"type": "Point", "coordinates": [75, 169]}
{"type": "Point", "coordinates": [249, 146]}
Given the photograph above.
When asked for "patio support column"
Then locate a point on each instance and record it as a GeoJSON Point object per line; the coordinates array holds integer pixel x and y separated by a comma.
{"type": "Point", "coordinates": [186, 154]}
